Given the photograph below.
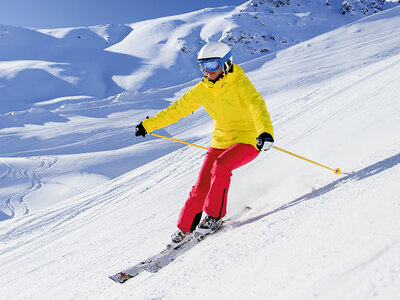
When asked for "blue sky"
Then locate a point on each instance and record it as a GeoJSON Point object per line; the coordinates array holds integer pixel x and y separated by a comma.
{"type": "Point", "coordinates": [71, 13]}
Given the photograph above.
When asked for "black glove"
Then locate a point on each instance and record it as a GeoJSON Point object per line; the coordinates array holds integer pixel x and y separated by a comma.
{"type": "Point", "coordinates": [265, 141]}
{"type": "Point", "coordinates": [139, 130]}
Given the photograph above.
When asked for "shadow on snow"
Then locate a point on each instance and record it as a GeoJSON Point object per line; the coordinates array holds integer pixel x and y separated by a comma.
{"type": "Point", "coordinates": [359, 175]}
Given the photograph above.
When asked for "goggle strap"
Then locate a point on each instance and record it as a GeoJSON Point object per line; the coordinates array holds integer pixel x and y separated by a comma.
{"type": "Point", "coordinates": [226, 57]}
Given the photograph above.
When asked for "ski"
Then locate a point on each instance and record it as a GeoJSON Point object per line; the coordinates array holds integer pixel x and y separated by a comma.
{"type": "Point", "coordinates": [156, 264]}
{"type": "Point", "coordinates": [135, 270]}
{"type": "Point", "coordinates": [158, 261]}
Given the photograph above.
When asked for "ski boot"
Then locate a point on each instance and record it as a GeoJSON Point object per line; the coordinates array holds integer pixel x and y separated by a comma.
{"type": "Point", "coordinates": [207, 226]}
{"type": "Point", "coordinates": [178, 238]}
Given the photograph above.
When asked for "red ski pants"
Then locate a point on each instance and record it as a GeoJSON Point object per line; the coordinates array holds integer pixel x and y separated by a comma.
{"type": "Point", "coordinates": [210, 192]}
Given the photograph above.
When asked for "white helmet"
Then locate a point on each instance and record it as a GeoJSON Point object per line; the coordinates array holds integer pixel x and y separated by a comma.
{"type": "Point", "coordinates": [213, 56]}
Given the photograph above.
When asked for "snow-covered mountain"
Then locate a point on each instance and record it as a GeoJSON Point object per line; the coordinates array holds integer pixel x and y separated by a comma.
{"type": "Point", "coordinates": [101, 61]}
{"type": "Point", "coordinates": [82, 198]}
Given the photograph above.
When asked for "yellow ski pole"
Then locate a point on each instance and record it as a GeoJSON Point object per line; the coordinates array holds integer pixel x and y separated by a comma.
{"type": "Point", "coordinates": [336, 171]}
{"type": "Point", "coordinates": [179, 141]}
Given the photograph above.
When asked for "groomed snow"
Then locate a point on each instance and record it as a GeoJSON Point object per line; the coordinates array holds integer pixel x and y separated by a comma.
{"type": "Point", "coordinates": [309, 235]}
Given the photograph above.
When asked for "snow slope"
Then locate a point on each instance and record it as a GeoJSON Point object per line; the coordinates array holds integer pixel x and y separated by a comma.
{"type": "Point", "coordinates": [309, 234]}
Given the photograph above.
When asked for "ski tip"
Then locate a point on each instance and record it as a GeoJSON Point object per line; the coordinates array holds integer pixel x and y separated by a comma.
{"type": "Point", "coordinates": [117, 279]}
{"type": "Point", "coordinates": [122, 277]}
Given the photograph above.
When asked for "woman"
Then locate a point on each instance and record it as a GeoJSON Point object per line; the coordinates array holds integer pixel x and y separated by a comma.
{"type": "Point", "coordinates": [242, 128]}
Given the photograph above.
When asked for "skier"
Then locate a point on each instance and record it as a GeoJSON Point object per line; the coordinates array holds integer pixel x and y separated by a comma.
{"type": "Point", "coordinates": [242, 128]}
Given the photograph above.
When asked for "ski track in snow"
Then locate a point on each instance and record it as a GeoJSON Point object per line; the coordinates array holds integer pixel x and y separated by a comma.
{"type": "Point", "coordinates": [8, 171]}
{"type": "Point", "coordinates": [41, 225]}
{"type": "Point", "coordinates": [32, 175]}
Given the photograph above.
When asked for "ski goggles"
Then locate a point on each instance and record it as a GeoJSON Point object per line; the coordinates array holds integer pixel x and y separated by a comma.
{"type": "Point", "coordinates": [210, 65]}
{"type": "Point", "coordinates": [213, 64]}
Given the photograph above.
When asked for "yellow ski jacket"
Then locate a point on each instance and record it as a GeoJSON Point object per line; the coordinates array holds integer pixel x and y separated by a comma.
{"type": "Point", "coordinates": [238, 110]}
